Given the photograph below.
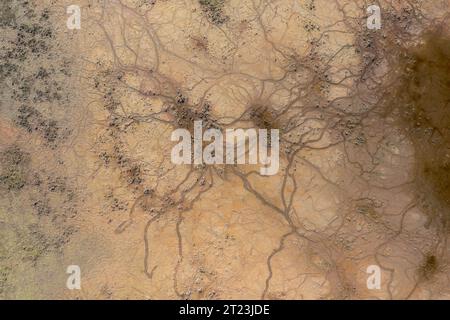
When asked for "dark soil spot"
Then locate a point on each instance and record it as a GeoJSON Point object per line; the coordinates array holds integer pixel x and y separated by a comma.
{"type": "Point", "coordinates": [428, 267]}
{"type": "Point", "coordinates": [263, 117]}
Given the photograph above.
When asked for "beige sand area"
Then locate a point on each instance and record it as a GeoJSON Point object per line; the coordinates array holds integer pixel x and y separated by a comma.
{"type": "Point", "coordinates": [87, 177]}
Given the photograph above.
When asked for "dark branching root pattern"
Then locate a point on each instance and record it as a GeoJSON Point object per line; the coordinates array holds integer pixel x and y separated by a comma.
{"type": "Point", "coordinates": [263, 117]}
{"type": "Point", "coordinates": [339, 125]}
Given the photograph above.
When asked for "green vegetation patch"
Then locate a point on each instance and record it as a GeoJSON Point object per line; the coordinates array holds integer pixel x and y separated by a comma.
{"type": "Point", "coordinates": [214, 10]}
{"type": "Point", "coordinates": [14, 164]}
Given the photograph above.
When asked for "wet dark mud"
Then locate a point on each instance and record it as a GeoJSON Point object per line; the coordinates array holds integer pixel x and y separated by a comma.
{"type": "Point", "coordinates": [421, 105]}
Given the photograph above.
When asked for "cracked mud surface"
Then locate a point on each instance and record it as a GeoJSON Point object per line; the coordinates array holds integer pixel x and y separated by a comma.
{"type": "Point", "coordinates": [86, 177]}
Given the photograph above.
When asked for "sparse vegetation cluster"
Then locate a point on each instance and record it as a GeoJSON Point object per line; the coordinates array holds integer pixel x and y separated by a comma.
{"type": "Point", "coordinates": [214, 10]}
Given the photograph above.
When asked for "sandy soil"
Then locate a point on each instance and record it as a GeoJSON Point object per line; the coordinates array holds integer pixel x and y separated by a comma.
{"type": "Point", "coordinates": [86, 176]}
